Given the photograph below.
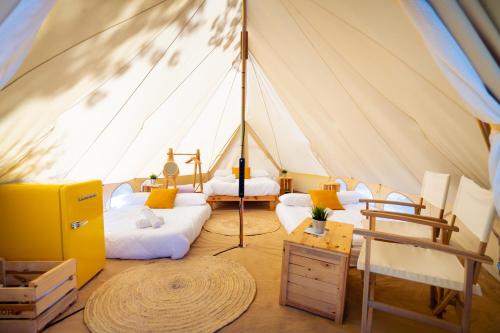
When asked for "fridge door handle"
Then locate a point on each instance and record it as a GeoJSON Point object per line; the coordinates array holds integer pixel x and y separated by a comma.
{"type": "Point", "coordinates": [78, 224]}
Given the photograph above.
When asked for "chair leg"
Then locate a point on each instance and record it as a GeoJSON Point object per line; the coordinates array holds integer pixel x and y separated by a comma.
{"type": "Point", "coordinates": [439, 309]}
{"type": "Point", "coordinates": [371, 296]}
{"type": "Point", "coordinates": [366, 315]}
{"type": "Point", "coordinates": [433, 297]}
{"type": "Point", "coordinates": [468, 281]}
{"type": "Point", "coordinates": [366, 311]}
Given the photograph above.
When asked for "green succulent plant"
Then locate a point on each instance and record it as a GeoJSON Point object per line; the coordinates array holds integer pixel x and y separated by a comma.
{"type": "Point", "coordinates": [153, 176]}
{"type": "Point", "coordinates": [319, 213]}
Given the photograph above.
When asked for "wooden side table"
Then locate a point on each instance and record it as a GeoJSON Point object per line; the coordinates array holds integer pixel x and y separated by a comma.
{"type": "Point", "coordinates": [148, 188]}
{"type": "Point", "coordinates": [286, 185]}
{"type": "Point", "coordinates": [331, 187]}
{"type": "Point", "coordinates": [314, 270]}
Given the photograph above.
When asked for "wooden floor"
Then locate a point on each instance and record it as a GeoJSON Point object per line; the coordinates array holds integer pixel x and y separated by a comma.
{"type": "Point", "coordinates": [262, 257]}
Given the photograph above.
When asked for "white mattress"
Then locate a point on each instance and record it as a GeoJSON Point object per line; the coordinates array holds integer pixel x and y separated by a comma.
{"type": "Point", "coordinates": [292, 216]}
{"type": "Point", "coordinates": [173, 239]}
{"type": "Point", "coordinates": [253, 187]}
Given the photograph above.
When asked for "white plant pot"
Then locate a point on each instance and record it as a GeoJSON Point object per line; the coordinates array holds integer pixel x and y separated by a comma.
{"type": "Point", "coordinates": [318, 226]}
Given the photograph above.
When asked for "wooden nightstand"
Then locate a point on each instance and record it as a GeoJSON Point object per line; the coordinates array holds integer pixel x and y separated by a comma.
{"type": "Point", "coordinates": [148, 188]}
{"type": "Point", "coordinates": [286, 185]}
{"type": "Point", "coordinates": [314, 269]}
{"type": "Point", "coordinates": [331, 187]}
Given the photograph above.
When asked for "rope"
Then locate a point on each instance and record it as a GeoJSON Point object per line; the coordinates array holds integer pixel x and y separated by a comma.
{"type": "Point", "coordinates": [267, 113]}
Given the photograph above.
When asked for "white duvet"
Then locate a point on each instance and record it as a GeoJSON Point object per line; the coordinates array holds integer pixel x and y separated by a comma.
{"type": "Point", "coordinates": [173, 239]}
{"type": "Point", "coordinates": [292, 216]}
{"type": "Point", "coordinates": [253, 186]}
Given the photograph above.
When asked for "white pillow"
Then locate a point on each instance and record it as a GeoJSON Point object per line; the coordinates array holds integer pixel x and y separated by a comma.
{"type": "Point", "coordinates": [257, 173]}
{"type": "Point", "coordinates": [226, 179]}
{"type": "Point", "coordinates": [296, 199]}
{"type": "Point", "coordinates": [223, 173]}
{"type": "Point", "coordinates": [190, 199]}
{"type": "Point", "coordinates": [130, 199]}
{"type": "Point", "coordinates": [349, 197]}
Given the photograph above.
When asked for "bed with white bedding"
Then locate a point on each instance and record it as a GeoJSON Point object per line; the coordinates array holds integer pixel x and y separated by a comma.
{"type": "Point", "coordinates": [182, 225]}
{"type": "Point", "coordinates": [224, 187]}
{"type": "Point", "coordinates": [294, 208]}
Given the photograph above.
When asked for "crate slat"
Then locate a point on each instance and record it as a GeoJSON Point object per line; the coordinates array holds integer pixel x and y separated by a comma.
{"type": "Point", "coordinates": [55, 295]}
{"type": "Point", "coordinates": [50, 292]}
{"type": "Point", "coordinates": [53, 277]}
{"type": "Point", "coordinates": [30, 266]}
{"type": "Point", "coordinates": [17, 294]}
{"type": "Point", "coordinates": [2, 273]}
{"type": "Point", "coordinates": [56, 309]}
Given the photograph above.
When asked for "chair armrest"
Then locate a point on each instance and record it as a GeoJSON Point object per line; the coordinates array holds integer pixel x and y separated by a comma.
{"type": "Point", "coordinates": [389, 202]}
{"type": "Point", "coordinates": [384, 236]}
{"type": "Point", "coordinates": [419, 219]}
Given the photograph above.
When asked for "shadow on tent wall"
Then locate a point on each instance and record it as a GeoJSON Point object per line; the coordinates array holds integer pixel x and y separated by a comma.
{"type": "Point", "coordinates": [83, 56]}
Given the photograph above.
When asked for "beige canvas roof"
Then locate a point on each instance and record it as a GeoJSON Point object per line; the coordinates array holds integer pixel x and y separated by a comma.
{"type": "Point", "coordinates": [350, 88]}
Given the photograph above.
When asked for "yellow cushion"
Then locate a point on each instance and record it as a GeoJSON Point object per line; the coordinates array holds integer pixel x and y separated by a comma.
{"type": "Point", "coordinates": [161, 198]}
{"type": "Point", "coordinates": [325, 199]}
{"type": "Point", "coordinates": [236, 172]}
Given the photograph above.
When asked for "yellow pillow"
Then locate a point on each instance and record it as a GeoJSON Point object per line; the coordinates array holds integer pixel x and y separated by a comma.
{"type": "Point", "coordinates": [325, 199]}
{"type": "Point", "coordinates": [236, 172]}
{"type": "Point", "coordinates": [161, 198]}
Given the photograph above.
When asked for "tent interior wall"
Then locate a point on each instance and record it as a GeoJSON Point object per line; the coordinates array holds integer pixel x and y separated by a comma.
{"type": "Point", "coordinates": [354, 89]}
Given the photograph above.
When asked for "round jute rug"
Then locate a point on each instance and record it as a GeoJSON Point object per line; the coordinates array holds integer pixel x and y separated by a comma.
{"type": "Point", "coordinates": [200, 294]}
{"type": "Point", "coordinates": [253, 224]}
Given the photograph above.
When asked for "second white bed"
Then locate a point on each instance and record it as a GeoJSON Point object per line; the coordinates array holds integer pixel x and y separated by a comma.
{"type": "Point", "coordinates": [259, 186]}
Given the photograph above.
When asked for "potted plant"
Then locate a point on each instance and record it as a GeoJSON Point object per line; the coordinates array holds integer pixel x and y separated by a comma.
{"type": "Point", "coordinates": [153, 178]}
{"type": "Point", "coordinates": [319, 216]}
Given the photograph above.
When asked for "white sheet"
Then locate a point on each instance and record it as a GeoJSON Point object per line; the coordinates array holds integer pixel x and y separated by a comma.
{"type": "Point", "coordinates": [253, 186]}
{"type": "Point", "coordinates": [292, 216]}
{"type": "Point", "coordinates": [173, 239]}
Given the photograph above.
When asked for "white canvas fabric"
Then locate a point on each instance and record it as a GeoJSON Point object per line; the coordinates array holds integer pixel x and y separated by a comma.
{"type": "Point", "coordinates": [474, 207]}
{"type": "Point", "coordinates": [18, 27]}
{"type": "Point", "coordinates": [435, 188]}
{"type": "Point", "coordinates": [407, 229]}
{"type": "Point", "coordinates": [415, 264]}
{"type": "Point", "coordinates": [144, 78]}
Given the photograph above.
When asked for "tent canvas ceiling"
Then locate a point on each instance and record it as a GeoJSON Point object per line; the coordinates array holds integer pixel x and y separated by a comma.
{"type": "Point", "coordinates": [335, 87]}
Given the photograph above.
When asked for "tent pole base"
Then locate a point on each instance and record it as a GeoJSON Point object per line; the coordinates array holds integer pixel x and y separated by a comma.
{"type": "Point", "coordinates": [225, 250]}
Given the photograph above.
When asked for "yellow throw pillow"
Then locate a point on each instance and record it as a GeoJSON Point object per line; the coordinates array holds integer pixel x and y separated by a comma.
{"type": "Point", "coordinates": [325, 199]}
{"type": "Point", "coordinates": [161, 198]}
{"type": "Point", "coordinates": [236, 173]}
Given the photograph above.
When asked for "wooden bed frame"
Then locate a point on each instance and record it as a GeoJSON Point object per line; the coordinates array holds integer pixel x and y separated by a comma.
{"type": "Point", "coordinates": [272, 199]}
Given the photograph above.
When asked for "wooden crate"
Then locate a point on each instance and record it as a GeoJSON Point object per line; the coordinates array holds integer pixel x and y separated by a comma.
{"type": "Point", "coordinates": [33, 293]}
{"type": "Point", "coordinates": [314, 270]}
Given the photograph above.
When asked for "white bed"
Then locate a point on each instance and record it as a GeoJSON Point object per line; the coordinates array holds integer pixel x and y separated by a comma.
{"type": "Point", "coordinates": [291, 215]}
{"type": "Point", "coordinates": [260, 186]}
{"type": "Point", "coordinates": [173, 239]}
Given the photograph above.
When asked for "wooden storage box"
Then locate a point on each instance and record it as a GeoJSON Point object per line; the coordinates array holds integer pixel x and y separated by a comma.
{"type": "Point", "coordinates": [33, 293]}
{"type": "Point", "coordinates": [314, 270]}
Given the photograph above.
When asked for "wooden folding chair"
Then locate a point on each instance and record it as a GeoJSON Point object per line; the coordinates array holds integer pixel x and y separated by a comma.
{"type": "Point", "coordinates": [433, 193]}
{"type": "Point", "coordinates": [429, 262]}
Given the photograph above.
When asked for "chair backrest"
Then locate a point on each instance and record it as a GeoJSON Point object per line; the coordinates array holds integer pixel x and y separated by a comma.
{"type": "Point", "coordinates": [435, 188]}
{"type": "Point", "coordinates": [475, 208]}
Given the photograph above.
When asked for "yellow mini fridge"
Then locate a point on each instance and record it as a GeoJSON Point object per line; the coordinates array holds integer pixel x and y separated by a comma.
{"type": "Point", "coordinates": [54, 222]}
